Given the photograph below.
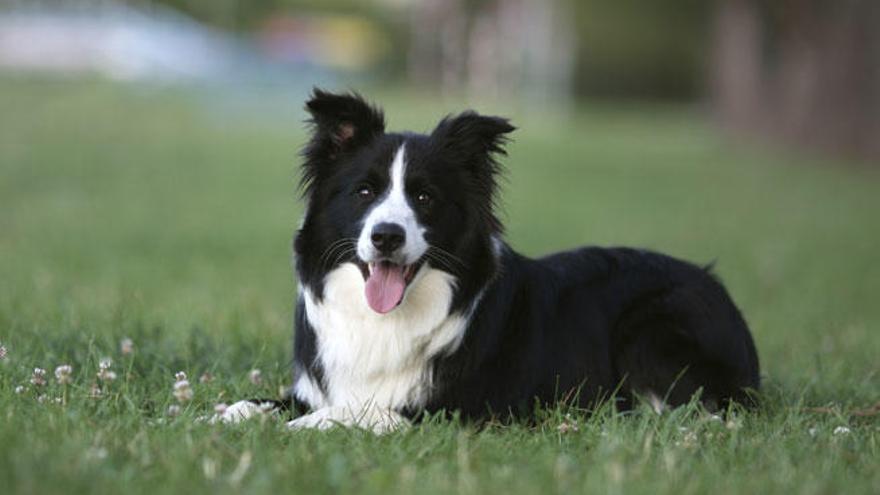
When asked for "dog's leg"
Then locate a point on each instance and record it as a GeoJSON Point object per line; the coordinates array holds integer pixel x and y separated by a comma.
{"type": "Point", "coordinates": [376, 419]}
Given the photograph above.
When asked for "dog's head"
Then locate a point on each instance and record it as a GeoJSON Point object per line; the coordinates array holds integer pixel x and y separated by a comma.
{"type": "Point", "coordinates": [393, 203]}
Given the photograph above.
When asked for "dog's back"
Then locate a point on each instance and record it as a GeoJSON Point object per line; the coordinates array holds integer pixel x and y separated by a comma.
{"type": "Point", "coordinates": [581, 325]}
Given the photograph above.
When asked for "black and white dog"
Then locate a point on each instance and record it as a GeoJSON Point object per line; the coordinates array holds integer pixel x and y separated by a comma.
{"type": "Point", "coordinates": [410, 301]}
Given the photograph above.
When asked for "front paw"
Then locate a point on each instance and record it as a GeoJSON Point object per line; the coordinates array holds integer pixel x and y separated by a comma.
{"type": "Point", "coordinates": [378, 421]}
{"type": "Point", "coordinates": [316, 420]}
{"type": "Point", "coordinates": [243, 410]}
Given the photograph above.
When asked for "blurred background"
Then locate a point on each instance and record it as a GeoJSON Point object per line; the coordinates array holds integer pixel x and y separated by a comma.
{"type": "Point", "coordinates": [148, 156]}
{"type": "Point", "coordinates": [802, 72]}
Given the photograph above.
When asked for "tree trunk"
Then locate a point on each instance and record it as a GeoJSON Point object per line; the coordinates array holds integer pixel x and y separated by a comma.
{"type": "Point", "coordinates": [801, 71]}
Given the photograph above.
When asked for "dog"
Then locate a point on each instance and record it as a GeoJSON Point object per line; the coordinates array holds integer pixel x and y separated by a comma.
{"type": "Point", "coordinates": [411, 302]}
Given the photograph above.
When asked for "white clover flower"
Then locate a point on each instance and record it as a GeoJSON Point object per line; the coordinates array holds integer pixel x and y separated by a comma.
{"type": "Point", "coordinates": [180, 376]}
{"type": "Point", "coordinates": [42, 398]}
{"type": "Point", "coordinates": [2, 352]}
{"type": "Point", "coordinates": [173, 410]}
{"type": "Point", "coordinates": [183, 391]}
{"type": "Point", "coordinates": [38, 379]}
{"type": "Point", "coordinates": [106, 375]}
{"type": "Point", "coordinates": [256, 376]}
{"type": "Point", "coordinates": [689, 440]}
{"type": "Point", "coordinates": [126, 346]}
{"type": "Point", "coordinates": [62, 374]}
{"type": "Point", "coordinates": [20, 389]}
{"type": "Point", "coordinates": [813, 431]}
{"type": "Point", "coordinates": [566, 427]}
{"type": "Point", "coordinates": [206, 378]}
{"type": "Point", "coordinates": [841, 430]}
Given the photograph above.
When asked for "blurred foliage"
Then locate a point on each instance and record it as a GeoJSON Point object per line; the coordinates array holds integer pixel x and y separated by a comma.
{"type": "Point", "coordinates": [624, 47]}
{"type": "Point", "coordinates": [243, 15]}
{"type": "Point", "coordinates": [628, 47]}
{"type": "Point", "coordinates": [250, 15]}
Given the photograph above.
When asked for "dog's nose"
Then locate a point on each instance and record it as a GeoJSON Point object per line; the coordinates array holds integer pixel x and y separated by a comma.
{"type": "Point", "coordinates": [387, 237]}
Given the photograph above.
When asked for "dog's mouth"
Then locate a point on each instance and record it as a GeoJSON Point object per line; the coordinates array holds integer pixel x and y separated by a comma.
{"type": "Point", "coordinates": [386, 283]}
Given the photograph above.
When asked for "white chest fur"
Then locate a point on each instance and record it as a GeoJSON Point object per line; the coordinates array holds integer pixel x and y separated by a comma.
{"type": "Point", "coordinates": [374, 359]}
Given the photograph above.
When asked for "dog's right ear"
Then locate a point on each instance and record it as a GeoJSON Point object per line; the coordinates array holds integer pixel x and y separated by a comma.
{"type": "Point", "coordinates": [341, 122]}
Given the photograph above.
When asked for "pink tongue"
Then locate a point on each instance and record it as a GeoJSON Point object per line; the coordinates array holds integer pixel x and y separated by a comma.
{"type": "Point", "coordinates": [385, 287]}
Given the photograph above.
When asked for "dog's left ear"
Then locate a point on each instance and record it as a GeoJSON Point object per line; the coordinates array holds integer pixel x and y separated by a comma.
{"type": "Point", "coordinates": [341, 122]}
{"type": "Point", "coordinates": [474, 137]}
{"type": "Point", "coordinates": [473, 140]}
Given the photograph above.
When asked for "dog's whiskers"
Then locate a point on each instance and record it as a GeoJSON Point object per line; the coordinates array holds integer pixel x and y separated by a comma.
{"type": "Point", "coordinates": [442, 256]}
{"type": "Point", "coordinates": [343, 244]}
{"type": "Point", "coordinates": [440, 262]}
{"type": "Point", "coordinates": [345, 253]}
{"type": "Point", "coordinates": [333, 245]}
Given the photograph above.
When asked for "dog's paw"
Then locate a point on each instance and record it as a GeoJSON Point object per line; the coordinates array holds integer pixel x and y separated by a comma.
{"type": "Point", "coordinates": [379, 421]}
{"type": "Point", "coordinates": [318, 420]}
{"type": "Point", "coordinates": [243, 410]}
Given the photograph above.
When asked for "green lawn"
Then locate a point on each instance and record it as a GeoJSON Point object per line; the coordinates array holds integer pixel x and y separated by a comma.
{"type": "Point", "coordinates": [148, 215]}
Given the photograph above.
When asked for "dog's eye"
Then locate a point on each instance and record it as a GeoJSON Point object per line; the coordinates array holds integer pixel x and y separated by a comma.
{"type": "Point", "coordinates": [365, 192]}
{"type": "Point", "coordinates": [423, 198]}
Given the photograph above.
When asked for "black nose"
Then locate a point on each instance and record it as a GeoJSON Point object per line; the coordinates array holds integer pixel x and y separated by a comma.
{"type": "Point", "coordinates": [387, 237]}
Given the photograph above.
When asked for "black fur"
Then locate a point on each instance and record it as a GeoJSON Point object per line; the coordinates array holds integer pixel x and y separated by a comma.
{"type": "Point", "coordinates": [576, 326]}
{"type": "Point", "coordinates": [582, 324]}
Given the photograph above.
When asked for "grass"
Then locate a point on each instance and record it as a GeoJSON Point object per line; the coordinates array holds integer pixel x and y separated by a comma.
{"type": "Point", "coordinates": [137, 214]}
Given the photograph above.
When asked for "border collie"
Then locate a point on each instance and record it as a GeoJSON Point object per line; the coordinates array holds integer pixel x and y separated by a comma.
{"type": "Point", "coordinates": [410, 301]}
